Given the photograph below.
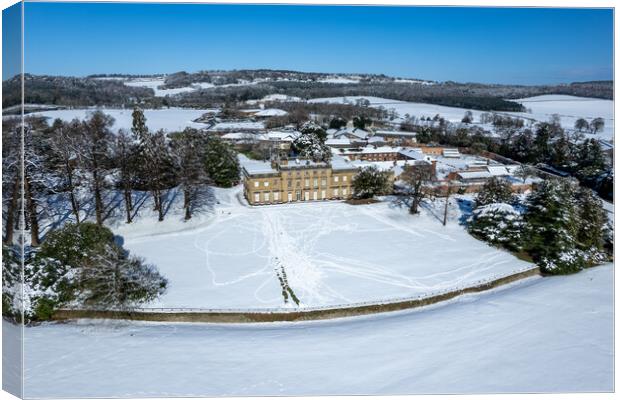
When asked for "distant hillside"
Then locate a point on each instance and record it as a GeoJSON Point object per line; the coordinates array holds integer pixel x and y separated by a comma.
{"type": "Point", "coordinates": [207, 88]}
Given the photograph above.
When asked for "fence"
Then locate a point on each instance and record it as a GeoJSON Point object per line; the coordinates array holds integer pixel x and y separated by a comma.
{"type": "Point", "coordinates": [229, 315]}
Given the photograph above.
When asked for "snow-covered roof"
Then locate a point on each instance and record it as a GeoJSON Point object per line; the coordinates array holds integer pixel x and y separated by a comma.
{"type": "Point", "coordinates": [498, 170]}
{"type": "Point", "coordinates": [474, 174]}
{"type": "Point", "coordinates": [284, 136]}
{"type": "Point", "coordinates": [338, 142]}
{"type": "Point", "coordinates": [376, 139]}
{"type": "Point", "coordinates": [415, 153]}
{"type": "Point", "coordinates": [339, 163]}
{"type": "Point", "coordinates": [237, 125]}
{"type": "Point", "coordinates": [372, 150]}
{"type": "Point", "coordinates": [271, 112]}
{"type": "Point", "coordinates": [451, 153]}
{"type": "Point", "coordinates": [237, 136]}
{"type": "Point", "coordinates": [396, 133]}
{"type": "Point", "coordinates": [360, 133]}
{"type": "Point", "coordinates": [256, 167]}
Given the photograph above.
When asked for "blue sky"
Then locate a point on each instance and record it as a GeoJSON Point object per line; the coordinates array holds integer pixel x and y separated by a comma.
{"type": "Point", "coordinates": [502, 45]}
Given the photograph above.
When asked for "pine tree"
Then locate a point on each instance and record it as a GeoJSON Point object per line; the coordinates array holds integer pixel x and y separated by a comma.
{"type": "Point", "coordinates": [221, 162]}
{"type": "Point", "coordinates": [495, 190]}
{"type": "Point", "coordinates": [82, 264]}
{"type": "Point", "coordinates": [498, 224]}
{"type": "Point", "coordinates": [311, 143]}
{"type": "Point", "coordinates": [592, 225]}
{"type": "Point", "coordinates": [370, 182]}
{"type": "Point", "coordinates": [551, 227]}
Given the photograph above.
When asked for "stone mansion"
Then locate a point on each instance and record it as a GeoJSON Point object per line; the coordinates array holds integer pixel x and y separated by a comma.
{"type": "Point", "coordinates": [296, 180]}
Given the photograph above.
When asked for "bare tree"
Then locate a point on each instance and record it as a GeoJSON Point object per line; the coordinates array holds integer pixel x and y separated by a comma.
{"type": "Point", "coordinates": [524, 172]}
{"type": "Point", "coordinates": [416, 180]}
{"type": "Point", "coordinates": [188, 156]}
{"type": "Point", "coordinates": [581, 124]}
{"type": "Point", "coordinates": [64, 146]}
{"type": "Point", "coordinates": [94, 155]}
{"type": "Point", "coordinates": [597, 125]}
{"type": "Point", "coordinates": [11, 180]}
{"type": "Point", "coordinates": [125, 157]}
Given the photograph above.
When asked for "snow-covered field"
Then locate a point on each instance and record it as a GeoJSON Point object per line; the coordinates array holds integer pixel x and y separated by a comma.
{"type": "Point", "coordinates": [570, 108]}
{"type": "Point", "coordinates": [332, 253]}
{"type": "Point", "coordinates": [541, 335]}
{"type": "Point", "coordinates": [169, 119]}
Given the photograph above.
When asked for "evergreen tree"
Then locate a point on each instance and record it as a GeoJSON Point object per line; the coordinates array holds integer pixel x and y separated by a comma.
{"type": "Point", "coordinates": [361, 122]}
{"type": "Point", "coordinates": [82, 265]}
{"type": "Point", "coordinates": [551, 227]}
{"type": "Point", "coordinates": [370, 182]}
{"type": "Point", "coordinates": [221, 162]}
{"type": "Point", "coordinates": [311, 143]}
{"type": "Point", "coordinates": [337, 123]}
{"type": "Point", "coordinates": [498, 224]}
{"type": "Point", "coordinates": [590, 160]}
{"type": "Point", "coordinates": [592, 225]}
{"type": "Point", "coordinates": [495, 190]}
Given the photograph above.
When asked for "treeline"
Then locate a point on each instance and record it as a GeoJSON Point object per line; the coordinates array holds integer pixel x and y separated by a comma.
{"type": "Point", "coordinates": [90, 91]}
{"type": "Point", "coordinates": [92, 172]}
{"type": "Point", "coordinates": [74, 92]}
{"type": "Point", "coordinates": [182, 79]}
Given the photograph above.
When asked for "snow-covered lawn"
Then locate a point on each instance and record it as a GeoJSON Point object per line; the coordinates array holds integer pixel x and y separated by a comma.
{"type": "Point", "coordinates": [169, 119]}
{"type": "Point", "coordinates": [331, 252]}
{"type": "Point", "coordinates": [541, 335]}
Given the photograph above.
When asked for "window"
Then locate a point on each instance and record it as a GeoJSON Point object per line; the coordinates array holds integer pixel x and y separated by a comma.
{"type": "Point", "coordinates": [344, 178]}
{"type": "Point", "coordinates": [290, 183]}
{"type": "Point", "coordinates": [336, 192]}
{"type": "Point", "coordinates": [266, 183]}
{"type": "Point", "coordinates": [323, 182]}
{"type": "Point", "coordinates": [307, 182]}
{"type": "Point", "coordinates": [256, 183]}
{"type": "Point", "coordinates": [335, 179]}
{"type": "Point", "coordinates": [316, 182]}
{"type": "Point", "coordinates": [344, 192]}
{"type": "Point", "coordinates": [256, 198]}
{"type": "Point", "coordinates": [266, 196]}
{"type": "Point", "coordinates": [276, 196]}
